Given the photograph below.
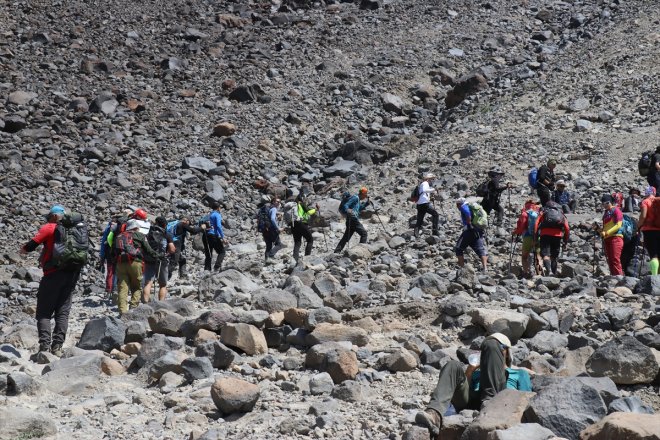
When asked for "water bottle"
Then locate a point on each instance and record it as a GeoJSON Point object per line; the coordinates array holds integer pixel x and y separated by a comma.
{"type": "Point", "coordinates": [474, 359]}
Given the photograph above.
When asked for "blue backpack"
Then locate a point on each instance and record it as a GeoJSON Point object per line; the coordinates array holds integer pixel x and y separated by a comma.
{"type": "Point", "coordinates": [532, 216]}
{"type": "Point", "coordinates": [532, 177]}
{"type": "Point", "coordinates": [171, 229]}
{"type": "Point", "coordinates": [345, 197]}
{"type": "Point", "coordinates": [628, 228]}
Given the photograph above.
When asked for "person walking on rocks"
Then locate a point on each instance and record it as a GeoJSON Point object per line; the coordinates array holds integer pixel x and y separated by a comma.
{"type": "Point", "coordinates": [215, 238]}
{"type": "Point", "coordinates": [131, 247]}
{"type": "Point", "coordinates": [488, 373]}
{"type": "Point", "coordinates": [563, 197]}
{"type": "Point", "coordinates": [612, 234]}
{"type": "Point", "coordinates": [179, 229]}
{"type": "Point", "coordinates": [525, 228]}
{"type": "Point", "coordinates": [300, 228]}
{"type": "Point", "coordinates": [551, 226]}
{"type": "Point", "coordinates": [545, 182]}
{"type": "Point", "coordinates": [106, 257]}
{"type": "Point", "coordinates": [424, 205]}
{"type": "Point", "coordinates": [495, 188]}
{"type": "Point", "coordinates": [160, 241]}
{"type": "Point", "coordinates": [653, 177]}
{"type": "Point", "coordinates": [649, 224]}
{"type": "Point", "coordinates": [56, 286]}
{"type": "Point", "coordinates": [472, 236]}
{"type": "Point", "coordinates": [352, 209]}
{"type": "Point", "coordinates": [271, 233]}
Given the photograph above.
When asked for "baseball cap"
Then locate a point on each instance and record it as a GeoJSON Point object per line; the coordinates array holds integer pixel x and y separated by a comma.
{"type": "Point", "coordinates": [460, 200]}
{"type": "Point", "coordinates": [364, 190]}
{"type": "Point", "coordinates": [606, 198]}
{"type": "Point", "coordinates": [502, 339]}
{"type": "Point", "coordinates": [57, 209]}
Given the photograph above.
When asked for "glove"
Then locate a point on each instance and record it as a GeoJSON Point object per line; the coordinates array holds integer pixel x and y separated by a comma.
{"type": "Point", "coordinates": [101, 266]}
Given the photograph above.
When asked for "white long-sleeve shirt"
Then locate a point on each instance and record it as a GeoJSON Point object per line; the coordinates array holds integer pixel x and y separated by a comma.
{"type": "Point", "coordinates": [424, 193]}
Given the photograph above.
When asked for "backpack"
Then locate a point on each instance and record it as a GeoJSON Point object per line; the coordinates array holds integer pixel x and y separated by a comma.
{"type": "Point", "coordinates": [71, 245]}
{"type": "Point", "coordinates": [645, 163]}
{"type": "Point", "coordinates": [290, 213]}
{"type": "Point", "coordinates": [126, 250]}
{"type": "Point", "coordinates": [414, 194]}
{"type": "Point", "coordinates": [479, 216]}
{"type": "Point", "coordinates": [263, 218]}
{"type": "Point", "coordinates": [204, 220]}
{"type": "Point", "coordinates": [628, 228]}
{"type": "Point", "coordinates": [655, 208]}
{"type": "Point", "coordinates": [532, 177]}
{"type": "Point", "coordinates": [553, 216]}
{"type": "Point", "coordinates": [345, 197]}
{"type": "Point", "coordinates": [532, 216]}
{"type": "Point", "coordinates": [157, 240]}
{"type": "Point", "coordinates": [171, 229]}
{"type": "Point", "coordinates": [618, 199]}
{"type": "Point", "coordinates": [482, 189]}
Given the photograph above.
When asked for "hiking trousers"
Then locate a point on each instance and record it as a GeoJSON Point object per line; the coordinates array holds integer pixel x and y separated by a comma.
{"type": "Point", "coordinates": [353, 225]}
{"type": "Point", "coordinates": [613, 249]}
{"type": "Point", "coordinates": [178, 259]}
{"type": "Point", "coordinates": [300, 231]}
{"type": "Point", "coordinates": [544, 193]}
{"type": "Point", "coordinates": [453, 386]}
{"type": "Point", "coordinates": [129, 278]}
{"type": "Point", "coordinates": [214, 244]}
{"type": "Point", "coordinates": [54, 299]}
{"type": "Point", "coordinates": [273, 243]}
{"type": "Point", "coordinates": [422, 210]}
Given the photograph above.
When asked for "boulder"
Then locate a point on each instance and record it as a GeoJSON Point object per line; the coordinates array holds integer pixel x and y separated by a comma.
{"type": "Point", "coordinates": [512, 324]}
{"type": "Point", "coordinates": [392, 103]}
{"type": "Point", "coordinates": [73, 375]}
{"type": "Point", "coordinates": [166, 322]}
{"type": "Point", "coordinates": [649, 285]}
{"type": "Point", "coordinates": [199, 163]}
{"type": "Point", "coordinates": [628, 426]}
{"type": "Point", "coordinates": [503, 411]}
{"type": "Point", "coordinates": [8, 352]}
{"type": "Point", "coordinates": [526, 431]}
{"type": "Point", "coordinates": [337, 333]}
{"type": "Point", "coordinates": [334, 359]}
{"type": "Point", "coordinates": [195, 368]}
{"type": "Point", "coordinates": [21, 423]}
{"type": "Point", "coordinates": [465, 86]}
{"type": "Point", "coordinates": [273, 300]}
{"type": "Point", "coordinates": [221, 357]}
{"type": "Point", "coordinates": [547, 341]}
{"type": "Point", "coordinates": [322, 315]}
{"type": "Point", "coordinates": [156, 346]}
{"type": "Point", "coordinates": [169, 362]}
{"type": "Point", "coordinates": [22, 335]}
{"type": "Point", "coordinates": [401, 360]}
{"type": "Point", "coordinates": [103, 333]}
{"type": "Point", "coordinates": [236, 280]}
{"type": "Point", "coordinates": [326, 285]}
{"type": "Point", "coordinates": [212, 320]}
{"type": "Point", "coordinates": [625, 360]}
{"type": "Point", "coordinates": [245, 337]}
{"type": "Point", "coordinates": [631, 404]}
{"type": "Point", "coordinates": [234, 395]}
{"type": "Point", "coordinates": [431, 284]}
{"type": "Point", "coordinates": [321, 383]}
{"type": "Point", "coordinates": [349, 391]}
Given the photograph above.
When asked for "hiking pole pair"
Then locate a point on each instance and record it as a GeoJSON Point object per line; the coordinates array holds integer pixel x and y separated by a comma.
{"type": "Point", "coordinates": [513, 251]}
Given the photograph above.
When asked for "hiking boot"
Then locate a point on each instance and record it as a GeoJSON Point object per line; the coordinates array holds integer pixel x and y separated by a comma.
{"type": "Point", "coordinates": [430, 419]}
{"type": "Point", "coordinates": [44, 348]}
{"type": "Point", "coordinates": [435, 232]}
{"type": "Point", "coordinates": [57, 350]}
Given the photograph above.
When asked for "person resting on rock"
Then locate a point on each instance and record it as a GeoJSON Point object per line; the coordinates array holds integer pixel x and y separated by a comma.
{"type": "Point", "coordinates": [471, 388]}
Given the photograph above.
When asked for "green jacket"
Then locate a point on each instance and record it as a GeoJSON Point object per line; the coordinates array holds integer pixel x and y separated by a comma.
{"type": "Point", "coordinates": [304, 214]}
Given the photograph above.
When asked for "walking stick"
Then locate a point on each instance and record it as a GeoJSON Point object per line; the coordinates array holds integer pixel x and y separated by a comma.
{"type": "Point", "coordinates": [157, 280]}
{"type": "Point", "coordinates": [641, 261]}
{"type": "Point", "coordinates": [325, 238]}
{"type": "Point", "coordinates": [513, 251]}
{"type": "Point", "coordinates": [381, 223]}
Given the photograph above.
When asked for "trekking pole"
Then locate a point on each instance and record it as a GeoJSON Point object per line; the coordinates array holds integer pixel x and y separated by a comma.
{"type": "Point", "coordinates": [512, 252]}
{"type": "Point", "coordinates": [641, 262]}
{"type": "Point", "coordinates": [381, 223]}
{"type": "Point", "coordinates": [156, 281]}
{"type": "Point", "coordinates": [325, 237]}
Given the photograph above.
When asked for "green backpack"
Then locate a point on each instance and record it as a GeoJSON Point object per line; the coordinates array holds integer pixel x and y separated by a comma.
{"type": "Point", "coordinates": [479, 216]}
{"type": "Point", "coordinates": [71, 246]}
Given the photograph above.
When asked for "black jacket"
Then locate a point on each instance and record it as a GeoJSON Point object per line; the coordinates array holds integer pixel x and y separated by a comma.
{"type": "Point", "coordinates": [545, 173]}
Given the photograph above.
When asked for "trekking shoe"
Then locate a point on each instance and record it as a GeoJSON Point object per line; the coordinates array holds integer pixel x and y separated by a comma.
{"type": "Point", "coordinates": [430, 419]}
{"type": "Point", "coordinates": [436, 232]}
{"type": "Point", "coordinates": [44, 347]}
{"type": "Point", "coordinates": [57, 350]}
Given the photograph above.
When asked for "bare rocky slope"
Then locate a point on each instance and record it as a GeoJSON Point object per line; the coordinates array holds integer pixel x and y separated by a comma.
{"type": "Point", "coordinates": [172, 105]}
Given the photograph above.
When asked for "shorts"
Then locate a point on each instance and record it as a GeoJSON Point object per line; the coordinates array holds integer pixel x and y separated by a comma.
{"type": "Point", "coordinates": [652, 243]}
{"type": "Point", "coordinates": [151, 272]}
{"type": "Point", "coordinates": [528, 245]}
{"type": "Point", "coordinates": [471, 238]}
{"type": "Point", "coordinates": [550, 246]}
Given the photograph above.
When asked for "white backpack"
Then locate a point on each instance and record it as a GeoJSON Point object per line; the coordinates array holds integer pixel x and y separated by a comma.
{"type": "Point", "coordinates": [290, 213]}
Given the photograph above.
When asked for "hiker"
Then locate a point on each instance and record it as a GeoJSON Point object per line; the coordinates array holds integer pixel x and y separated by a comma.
{"type": "Point", "coordinates": [215, 239]}
{"type": "Point", "coordinates": [488, 373]}
{"type": "Point", "coordinates": [494, 190]}
{"type": "Point", "coordinates": [563, 197]}
{"type": "Point", "coordinates": [525, 227]}
{"type": "Point", "coordinates": [653, 176]}
{"type": "Point", "coordinates": [545, 181]}
{"type": "Point", "coordinates": [131, 247]}
{"type": "Point", "coordinates": [551, 226]}
{"type": "Point", "coordinates": [161, 241]}
{"type": "Point", "coordinates": [472, 236]}
{"type": "Point", "coordinates": [632, 202]}
{"type": "Point", "coordinates": [352, 209]}
{"type": "Point", "coordinates": [179, 229]}
{"type": "Point", "coordinates": [425, 194]}
{"type": "Point", "coordinates": [649, 224]}
{"type": "Point", "coordinates": [55, 288]}
{"type": "Point", "coordinates": [106, 259]}
{"type": "Point", "coordinates": [612, 234]}
{"type": "Point", "coordinates": [300, 228]}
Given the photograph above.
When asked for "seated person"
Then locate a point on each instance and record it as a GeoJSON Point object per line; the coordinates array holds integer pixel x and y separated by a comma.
{"type": "Point", "coordinates": [633, 201]}
{"type": "Point", "coordinates": [479, 383]}
{"type": "Point", "coordinates": [563, 197]}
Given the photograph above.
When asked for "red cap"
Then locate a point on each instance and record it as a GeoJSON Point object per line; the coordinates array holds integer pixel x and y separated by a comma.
{"type": "Point", "coordinates": [140, 214]}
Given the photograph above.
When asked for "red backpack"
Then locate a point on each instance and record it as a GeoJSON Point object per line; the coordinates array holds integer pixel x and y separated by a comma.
{"type": "Point", "coordinates": [618, 199]}
{"type": "Point", "coordinates": [126, 250]}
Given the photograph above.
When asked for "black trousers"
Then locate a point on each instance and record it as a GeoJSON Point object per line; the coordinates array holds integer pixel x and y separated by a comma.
{"type": "Point", "coordinates": [353, 225]}
{"type": "Point", "coordinates": [654, 180]}
{"type": "Point", "coordinates": [493, 205]}
{"type": "Point", "coordinates": [300, 231]}
{"type": "Point", "coordinates": [178, 259]}
{"type": "Point", "coordinates": [54, 300]}
{"type": "Point", "coordinates": [544, 193]}
{"type": "Point", "coordinates": [213, 243]}
{"type": "Point", "coordinates": [422, 210]}
{"type": "Point", "coordinates": [273, 243]}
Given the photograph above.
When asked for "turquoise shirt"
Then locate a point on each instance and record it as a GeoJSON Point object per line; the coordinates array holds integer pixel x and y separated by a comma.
{"type": "Point", "coordinates": [515, 379]}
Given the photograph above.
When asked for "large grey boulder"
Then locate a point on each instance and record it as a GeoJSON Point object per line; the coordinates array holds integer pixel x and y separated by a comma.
{"type": "Point", "coordinates": [166, 322]}
{"type": "Point", "coordinates": [156, 346]}
{"type": "Point", "coordinates": [219, 355]}
{"type": "Point", "coordinates": [547, 341]}
{"type": "Point", "coordinates": [103, 333]}
{"type": "Point", "coordinates": [625, 360]}
{"type": "Point", "coordinates": [649, 285]}
{"type": "Point", "coordinates": [234, 395]}
{"type": "Point", "coordinates": [431, 284]}
{"type": "Point", "coordinates": [199, 163]}
{"type": "Point", "coordinates": [523, 431]}
{"type": "Point", "coordinates": [273, 300]}
{"type": "Point", "coordinates": [512, 324]}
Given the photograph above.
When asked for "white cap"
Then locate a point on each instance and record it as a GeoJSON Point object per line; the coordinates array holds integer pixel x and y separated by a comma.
{"type": "Point", "coordinates": [560, 182]}
{"type": "Point", "coordinates": [460, 200]}
{"type": "Point", "coordinates": [502, 339]}
{"type": "Point", "coordinates": [429, 176]}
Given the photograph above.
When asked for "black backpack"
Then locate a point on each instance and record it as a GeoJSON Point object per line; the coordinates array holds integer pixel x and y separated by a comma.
{"type": "Point", "coordinates": [157, 240]}
{"type": "Point", "coordinates": [414, 194]}
{"type": "Point", "coordinates": [71, 244]}
{"type": "Point", "coordinates": [345, 197]}
{"type": "Point", "coordinates": [553, 216]}
{"type": "Point", "coordinates": [263, 218]}
{"type": "Point", "coordinates": [482, 189]}
{"type": "Point", "coordinates": [646, 163]}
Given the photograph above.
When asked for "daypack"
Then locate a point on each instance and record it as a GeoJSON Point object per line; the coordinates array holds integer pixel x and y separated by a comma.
{"type": "Point", "coordinates": [645, 163]}
{"type": "Point", "coordinates": [627, 228]}
{"type": "Point", "coordinates": [479, 216]}
{"type": "Point", "coordinates": [157, 240]}
{"type": "Point", "coordinates": [655, 208]}
{"type": "Point", "coordinates": [414, 194]}
{"type": "Point", "coordinates": [532, 177]}
{"type": "Point", "coordinates": [532, 216]}
{"type": "Point", "coordinates": [345, 197]}
{"type": "Point", "coordinates": [290, 213]}
{"type": "Point", "coordinates": [553, 216]}
{"type": "Point", "coordinates": [204, 220]}
{"type": "Point", "coordinates": [126, 249]}
{"type": "Point", "coordinates": [618, 199]}
{"type": "Point", "coordinates": [171, 229]}
{"type": "Point", "coordinates": [71, 245]}
{"type": "Point", "coordinates": [482, 189]}
{"type": "Point", "coordinates": [199, 242]}
{"type": "Point", "coordinates": [263, 218]}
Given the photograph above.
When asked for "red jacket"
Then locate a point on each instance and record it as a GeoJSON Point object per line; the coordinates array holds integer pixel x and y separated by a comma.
{"type": "Point", "coordinates": [45, 236]}
{"type": "Point", "coordinates": [551, 232]}
{"type": "Point", "coordinates": [521, 226]}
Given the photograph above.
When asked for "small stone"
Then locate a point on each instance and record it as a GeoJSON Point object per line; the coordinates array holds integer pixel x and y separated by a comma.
{"type": "Point", "coordinates": [224, 129]}
{"type": "Point", "coordinates": [234, 395]}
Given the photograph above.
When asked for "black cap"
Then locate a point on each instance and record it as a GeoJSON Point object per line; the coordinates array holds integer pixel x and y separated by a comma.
{"type": "Point", "coordinates": [606, 198]}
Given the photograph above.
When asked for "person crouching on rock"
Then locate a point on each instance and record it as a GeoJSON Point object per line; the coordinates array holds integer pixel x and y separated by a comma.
{"type": "Point", "coordinates": [486, 376]}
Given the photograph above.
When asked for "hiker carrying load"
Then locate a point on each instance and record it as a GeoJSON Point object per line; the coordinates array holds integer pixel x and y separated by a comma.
{"type": "Point", "coordinates": [543, 181]}
{"type": "Point", "coordinates": [551, 226]}
{"type": "Point", "coordinates": [612, 234]}
{"type": "Point", "coordinates": [525, 228]}
{"type": "Point", "coordinates": [424, 196]}
{"type": "Point", "coordinates": [300, 227]}
{"type": "Point", "coordinates": [474, 220]}
{"type": "Point", "coordinates": [649, 224]}
{"type": "Point", "coordinates": [351, 208]}
{"type": "Point", "coordinates": [492, 193]}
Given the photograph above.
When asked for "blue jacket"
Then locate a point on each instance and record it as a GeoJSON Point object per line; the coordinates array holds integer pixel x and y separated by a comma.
{"type": "Point", "coordinates": [104, 242]}
{"type": "Point", "coordinates": [466, 214]}
{"type": "Point", "coordinates": [273, 219]}
{"type": "Point", "coordinates": [216, 225]}
{"type": "Point", "coordinates": [563, 198]}
{"type": "Point", "coordinates": [515, 380]}
{"type": "Point", "coordinates": [355, 205]}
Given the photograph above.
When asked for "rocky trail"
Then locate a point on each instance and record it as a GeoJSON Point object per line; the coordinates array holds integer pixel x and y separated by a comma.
{"type": "Point", "coordinates": [170, 106]}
